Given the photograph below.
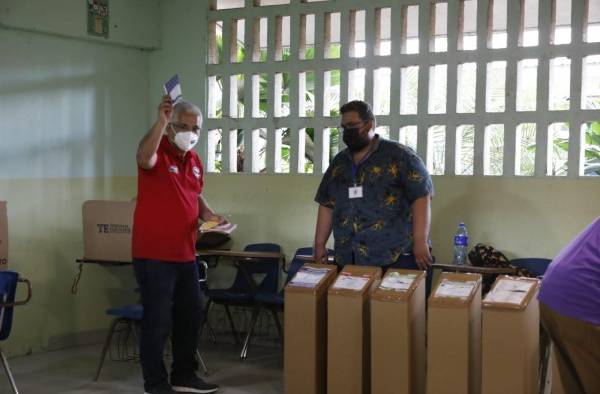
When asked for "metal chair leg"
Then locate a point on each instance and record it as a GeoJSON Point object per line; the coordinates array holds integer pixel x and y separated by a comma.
{"type": "Point", "coordinates": [205, 322]}
{"type": "Point", "coordinates": [232, 325]}
{"type": "Point", "coordinates": [111, 331]}
{"type": "Point", "coordinates": [277, 324]}
{"type": "Point", "coordinates": [8, 372]}
{"type": "Point", "coordinates": [201, 362]}
{"type": "Point", "coordinates": [136, 339]}
{"type": "Point", "coordinates": [255, 314]}
{"type": "Point", "coordinates": [211, 333]}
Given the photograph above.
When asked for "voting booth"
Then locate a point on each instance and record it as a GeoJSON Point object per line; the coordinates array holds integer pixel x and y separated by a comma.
{"type": "Point", "coordinates": [305, 326]}
{"type": "Point", "coordinates": [107, 228]}
{"type": "Point", "coordinates": [398, 334]}
{"type": "Point", "coordinates": [348, 322]}
{"type": "Point", "coordinates": [454, 335]}
{"type": "Point", "coordinates": [511, 337]}
{"type": "Point", "coordinates": [3, 236]}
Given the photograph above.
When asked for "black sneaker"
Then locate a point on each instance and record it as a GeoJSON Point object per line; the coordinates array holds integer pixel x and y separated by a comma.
{"type": "Point", "coordinates": [162, 389]}
{"type": "Point", "coordinates": [193, 384]}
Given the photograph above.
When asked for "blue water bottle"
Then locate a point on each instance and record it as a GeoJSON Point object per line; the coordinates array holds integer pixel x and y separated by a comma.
{"type": "Point", "coordinates": [461, 245]}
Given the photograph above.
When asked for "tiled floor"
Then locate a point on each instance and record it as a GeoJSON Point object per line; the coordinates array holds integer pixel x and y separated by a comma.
{"type": "Point", "coordinates": [72, 371]}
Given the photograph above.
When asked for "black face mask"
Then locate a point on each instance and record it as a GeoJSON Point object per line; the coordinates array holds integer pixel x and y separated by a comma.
{"type": "Point", "coordinates": [353, 140]}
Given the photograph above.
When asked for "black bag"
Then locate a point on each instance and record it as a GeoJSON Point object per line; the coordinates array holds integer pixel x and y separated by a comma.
{"type": "Point", "coordinates": [482, 255]}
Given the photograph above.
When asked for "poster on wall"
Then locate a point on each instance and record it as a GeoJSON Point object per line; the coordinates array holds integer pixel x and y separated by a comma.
{"type": "Point", "coordinates": [97, 18]}
{"type": "Point", "coordinates": [3, 236]}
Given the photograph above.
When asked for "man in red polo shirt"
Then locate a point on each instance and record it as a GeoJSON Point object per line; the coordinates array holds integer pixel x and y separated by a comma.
{"type": "Point", "coordinates": [165, 224]}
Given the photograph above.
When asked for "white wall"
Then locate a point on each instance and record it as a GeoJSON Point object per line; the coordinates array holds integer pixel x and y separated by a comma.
{"type": "Point", "coordinates": [72, 110]}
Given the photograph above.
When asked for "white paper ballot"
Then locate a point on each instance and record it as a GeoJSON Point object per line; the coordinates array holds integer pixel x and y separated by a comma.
{"type": "Point", "coordinates": [452, 289]}
{"type": "Point", "coordinates": [308, 276]}
{"type": "Point", "coordinates": [349, 282]}
{"type": "Point", "coordinates": [510, 291]}
{"type": "Point", "coordinates": [396, 281]}
{"type": "Point", "coordinates": [173, 89]}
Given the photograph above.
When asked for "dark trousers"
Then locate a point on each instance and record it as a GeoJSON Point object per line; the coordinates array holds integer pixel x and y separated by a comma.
{"type": "Point", "coordinates": [408, 262]}
{"type": "Point", "coordinates": [577, 350]}
{"type": "Point", "coordinates": [172, 306]}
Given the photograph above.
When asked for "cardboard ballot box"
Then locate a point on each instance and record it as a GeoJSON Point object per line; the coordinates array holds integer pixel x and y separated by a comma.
{"type": "Point", "coordinates": [305, 322]}
{"type": "Point", "coordinates": [510, 337]}
{"type": "Point", "coordinates": [3, 236]}
{"type": "Point", "coordinates": [348, 350]}
{"type": "Point", "coordinates": [454, 335]}
{"type": "Point", "coordinates": [107, 227]}
{"type": "Point", "coordinates": [398, 334]}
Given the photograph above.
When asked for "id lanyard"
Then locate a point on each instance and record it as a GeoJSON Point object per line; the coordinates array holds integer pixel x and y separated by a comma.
{"type": "Point", "coordinates": [355, 168]}
{"type": "Point", "coordinates": [355, 191]}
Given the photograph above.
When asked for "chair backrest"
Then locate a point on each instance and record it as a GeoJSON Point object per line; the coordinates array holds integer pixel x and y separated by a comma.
{"type": "Point", "coordinates": [537, 266]}
{"type": "Point", "coordinates": [8, 288]}
{"type": "Point", "coordinates": [269, 267]}
{"type": "Point", "coordinates": [296, 263]}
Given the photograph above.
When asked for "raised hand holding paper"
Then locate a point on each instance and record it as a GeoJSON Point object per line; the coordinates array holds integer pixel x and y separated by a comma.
{"type": "Point", "coordinates": [173, 89]}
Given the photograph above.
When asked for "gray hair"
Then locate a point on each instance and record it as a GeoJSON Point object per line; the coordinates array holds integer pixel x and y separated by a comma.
{"type": "Point", "coordinates": [185, 107]}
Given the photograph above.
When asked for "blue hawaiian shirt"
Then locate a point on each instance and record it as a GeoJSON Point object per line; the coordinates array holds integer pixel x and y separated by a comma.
{"type": "Point", "coordinates": [377, 228]}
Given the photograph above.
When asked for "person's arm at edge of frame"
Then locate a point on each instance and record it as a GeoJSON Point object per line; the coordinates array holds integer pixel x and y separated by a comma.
{"type": "Point", "coordinates": [322, 233]}
{"type": "Point", "coordinates": [146, 154]}
{"type": "Point", "coordinates": [421, 212]}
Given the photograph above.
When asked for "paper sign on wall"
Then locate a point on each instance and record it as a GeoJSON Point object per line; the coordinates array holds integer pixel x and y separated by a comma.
{"type": "Point", "coordinates": [3, 235]}
{"type": "Point", "coordinates": [97, 18]}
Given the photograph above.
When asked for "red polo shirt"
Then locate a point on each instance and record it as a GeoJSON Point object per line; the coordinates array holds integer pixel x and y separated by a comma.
{"type": "Point", "coordinates": [165, 222]}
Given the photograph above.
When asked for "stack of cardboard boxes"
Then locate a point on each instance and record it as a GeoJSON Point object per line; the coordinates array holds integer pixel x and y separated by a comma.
{"type": "Point", "coordinates": [305, 327]}
{"type": "Point", "coordinates": [454, 335]}
{"type": "Point", "coordinates": [511, 340]}
{"type": "Point", "coordinates": [348, 339]}
{"type": "Point", "coordinates": [398, 334]}
{"type": "Point", "coordinates": [359, 334]}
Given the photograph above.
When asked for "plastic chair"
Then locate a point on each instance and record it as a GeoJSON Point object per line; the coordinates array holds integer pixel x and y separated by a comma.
{"type": "Point", "coordinates": [274, 302]}
{"type": "Point", "coordinates": [537, 266]}
{"type": "Point", "coordinates": [131, 316]}
{"type": "Point", "coordinates": [242, 291]}
{"type": "Point", "coordinates": [8, 289]}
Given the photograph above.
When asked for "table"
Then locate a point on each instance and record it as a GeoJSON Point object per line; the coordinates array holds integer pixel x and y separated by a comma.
{"type": "Point", "coordinates": [239, 256]}
{"type": "Point", "coordinates": [84, 261]}
{"type": "Point", "coordinates": [310, 259]}
{"type": "Point", "coordinates": [475, 269]}
{"type": "Point", "coordinates": [243, 256]}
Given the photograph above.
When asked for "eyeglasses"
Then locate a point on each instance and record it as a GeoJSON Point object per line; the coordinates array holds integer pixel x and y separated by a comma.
{"type": "Point", "coordinates": [350, 125]}
{"type": "Point", "coordinates": [182, 126]}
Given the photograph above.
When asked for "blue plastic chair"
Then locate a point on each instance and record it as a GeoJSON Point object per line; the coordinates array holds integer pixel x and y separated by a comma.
{"type": "Point", "coordinates": [537, 266]}
{"type": "Point", "coordinates": [242, 292]}
{"type": "Point", "coordinates": [8, 289]}
{"type": "Point", "coordinates": [127, 315]}
{"type": "Point", "coordinates": [131, 316]}
{"type": "Point", "coordinates": [274, 302]}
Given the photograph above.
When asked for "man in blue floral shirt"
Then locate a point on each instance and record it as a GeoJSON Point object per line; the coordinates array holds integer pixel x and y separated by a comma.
{"type": "Point", "coordinates": [375, 196]}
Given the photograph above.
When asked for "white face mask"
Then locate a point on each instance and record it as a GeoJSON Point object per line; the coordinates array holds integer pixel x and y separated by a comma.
{"type": "Point", "coordinates": [186, 140]}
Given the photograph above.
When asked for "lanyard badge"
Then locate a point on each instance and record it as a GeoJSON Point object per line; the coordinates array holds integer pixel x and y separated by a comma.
{"type": "Point", "coordinates": [355, 191]}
